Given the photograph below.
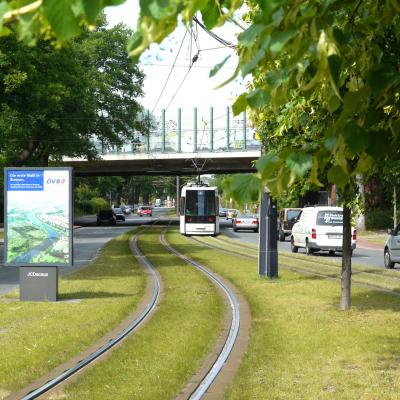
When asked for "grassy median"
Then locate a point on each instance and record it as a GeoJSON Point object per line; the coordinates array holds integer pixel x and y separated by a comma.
{"type": "Point", "coordinates": [36, 337]}
{"type": "Point", "coordinates": [157, 361]}
{"type": "Point", "coordinates": [302, 346]}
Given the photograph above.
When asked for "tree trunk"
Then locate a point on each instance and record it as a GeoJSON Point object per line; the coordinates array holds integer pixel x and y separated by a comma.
{"type": "Point", "coordinates": [27, 152]}
{"type": "Point", "coordinates": [333, 195]}
{"type": "Point", "coordinates": [345, 300]}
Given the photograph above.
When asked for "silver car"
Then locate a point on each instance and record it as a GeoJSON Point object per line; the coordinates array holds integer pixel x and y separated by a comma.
{"type": "Point", "coordinates": [391, 254]}
{"type": "Point", "coordinates": [246, 221]}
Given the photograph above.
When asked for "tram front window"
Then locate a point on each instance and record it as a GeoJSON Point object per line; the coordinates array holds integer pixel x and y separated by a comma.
{"type": "Point", "coordinates": [200, 203]}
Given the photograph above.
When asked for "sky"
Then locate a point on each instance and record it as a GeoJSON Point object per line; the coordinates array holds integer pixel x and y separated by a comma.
{"type": "Point", "coordinates": [197, 90]}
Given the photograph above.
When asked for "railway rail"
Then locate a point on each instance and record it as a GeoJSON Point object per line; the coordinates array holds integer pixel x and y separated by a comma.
{"type": "Point", "coordinates": [132, 327]}
{"type": "Point", "coordinates": [220, 245]}
{"type": "Point", "coordinates": [201, 389]}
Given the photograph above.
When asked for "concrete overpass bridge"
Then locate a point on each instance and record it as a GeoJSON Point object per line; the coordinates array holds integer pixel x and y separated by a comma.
{"type": "Point", "coordinates": [177, 148]}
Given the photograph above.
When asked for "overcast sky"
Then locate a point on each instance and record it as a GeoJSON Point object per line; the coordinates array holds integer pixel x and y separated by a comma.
{"type": "Point", "coordinates": [197, 89]}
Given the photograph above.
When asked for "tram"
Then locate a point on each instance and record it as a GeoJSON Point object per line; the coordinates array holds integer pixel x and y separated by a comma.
{"type": "Point", "coordinates": [198, 210]}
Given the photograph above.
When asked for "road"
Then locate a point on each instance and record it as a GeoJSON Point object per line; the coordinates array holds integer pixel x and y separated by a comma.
{"type": "Point", "coordinates": [88, 240]}
{"type": "Point", "coordinates": [360, 255]}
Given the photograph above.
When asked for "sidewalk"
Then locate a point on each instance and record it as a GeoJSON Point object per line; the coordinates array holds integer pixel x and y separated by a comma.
{"type": "Point", "coordinates": [365, 244]}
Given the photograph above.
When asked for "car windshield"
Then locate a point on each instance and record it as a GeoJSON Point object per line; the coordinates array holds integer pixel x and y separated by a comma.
{"type": "Point", "coordinates": [117, 210]}
{"type": "Point", "coordinates": [247, 216]}
{"type": "Point", "coordinates": [293, 214]}
{"type": "Point", "coordinates": [145, 208]}
{"type": "Point", "coordinates": [105, 213]}
{"type": "Point", "coordinates": [200, 202]}
{"type": "Point", "coordinates": [328, 217]}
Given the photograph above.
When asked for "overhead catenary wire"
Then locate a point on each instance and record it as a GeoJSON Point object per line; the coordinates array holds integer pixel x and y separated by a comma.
{"type": "Point", "coordinates": [214, 35]}
{"type": "Point", "coordinates": [170, 72]}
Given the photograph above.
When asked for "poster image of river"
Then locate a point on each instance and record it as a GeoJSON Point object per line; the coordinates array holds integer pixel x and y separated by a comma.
{"type": "Point", "coordinates": [38, 217]}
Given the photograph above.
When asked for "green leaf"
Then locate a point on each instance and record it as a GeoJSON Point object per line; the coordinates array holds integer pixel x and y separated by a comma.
{"type": "Point", "coordinates": [268, 165]}
{"type": "Point", "coordinates": [210, 14]}
{"type": "Point", "coordinates": [246, 68]}
{"type": "Point", "coordinates": [299, 163]}
{"type": "Point", "coordinates": [3, 9]}
{"type": "Point", "coordinates": [334, 64]}
{"type": "Point", "coordinates": [258, 98]}
{"type": "Point", "coordinates": [278, 40]}
{"type": "Point", "coordinates": [355, 137]}
{"type": "Point", "coordinates": [157, 9]}
{"type": "Point", "coordinates": [333, 104]}
{"type": "Point", "coordinates": [338, 175]}
{"type": "Point", "coordinates": [217, 67]}
{"type": "Point", "coordinates": [246, 188]}
{"type": "Point", "coordinates": [92, 9]}
{"type": "Point", "coordinates": [381, 77]}
{"type": "Point", "coordinates": [61, 18]}
{"type": "Point", "coordinates": [240, 104]}
{"type": "Point", "coordinates": [249, 36]}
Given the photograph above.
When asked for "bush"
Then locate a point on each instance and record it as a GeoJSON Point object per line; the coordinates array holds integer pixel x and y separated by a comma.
{"type": "Point", "coordinates": [378, 219]}
{"type": "Point", "coordinates": [97, 204]}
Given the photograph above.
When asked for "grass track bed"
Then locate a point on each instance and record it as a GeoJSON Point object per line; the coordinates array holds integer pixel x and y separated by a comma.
{"type": "Point", "coordinates": [36, 337]}
{"type": "Point", "coordinates": [157, 361]}
{"type": "Point", "coordinates": [302, 346]}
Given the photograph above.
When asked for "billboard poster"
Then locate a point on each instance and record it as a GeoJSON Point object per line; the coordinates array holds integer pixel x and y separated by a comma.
{"type": "Point", "coordinates": [38, 216]}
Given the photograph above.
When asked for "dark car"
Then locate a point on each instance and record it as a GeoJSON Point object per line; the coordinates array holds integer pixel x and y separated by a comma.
{"type": "Point", "coordinates": [287, 218]}
{"type": "Point", "coordinates": [106, 217]}
{"type": "Point", "coordinates": [119, 214]}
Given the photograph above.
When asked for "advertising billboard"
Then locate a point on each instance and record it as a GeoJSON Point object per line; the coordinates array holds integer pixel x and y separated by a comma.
{"type": "Point", "coordinates": [38, 226]}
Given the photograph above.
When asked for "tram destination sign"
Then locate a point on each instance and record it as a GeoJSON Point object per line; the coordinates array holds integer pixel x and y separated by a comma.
{"type": "Point", "coordinates": [38, 225]}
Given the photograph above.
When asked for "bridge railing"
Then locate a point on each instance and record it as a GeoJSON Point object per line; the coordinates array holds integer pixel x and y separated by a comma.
{"type": "Point", "coordinates": [215, 135]}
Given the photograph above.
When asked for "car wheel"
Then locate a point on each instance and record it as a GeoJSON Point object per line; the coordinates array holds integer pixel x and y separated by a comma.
{"type": "Point", "coordinates": [331, 252]}
{"type": "Point", "coordinates": [293, 248]}
{"type": "Point", "coordinates": [256, 230]}
{"type": "Point", "coordinates": [234, 230]}
{"type": "Point", "coordinates": [389, 264]}
{"type": "Point", "coordinates": [281, 235]}
{"type": "Point", "coordinates": [309, 250]}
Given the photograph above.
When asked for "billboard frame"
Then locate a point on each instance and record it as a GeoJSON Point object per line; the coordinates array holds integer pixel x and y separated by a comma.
{"type": "Point", "coordinates": [71, 217]}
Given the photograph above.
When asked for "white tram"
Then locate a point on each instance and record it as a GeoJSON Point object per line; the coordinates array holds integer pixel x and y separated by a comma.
{"type": "Point", "coordinates": [198, 210]}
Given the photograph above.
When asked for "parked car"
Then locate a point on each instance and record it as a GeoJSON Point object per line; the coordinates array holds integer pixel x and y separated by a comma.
{"type": "Point", "coordinates": [246, 222]}
{"type": "Point", "coordinates": [126, 209]}
{"type": "Point", "coordinates": [231, 213]}
{"type": "Point", "coordinates": [106, 217]}
{"type": "Point", "coordinates": [391, 253]}
{"type": "Point", "coordinates": [145, 210]}
{"type": "Point", "coordinates": [222, 212]}
{"type": "Point", "coordinates": [119, 214]}
{"type": "Point", "coordinates": [320, 229]}
{"type": "Point", "coordinates": [287, 218]}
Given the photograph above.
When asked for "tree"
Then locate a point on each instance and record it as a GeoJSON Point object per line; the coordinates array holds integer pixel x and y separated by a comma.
{"type": "Point", "coordinates": [344, 55]}
{"type": "Point", "coordinates": [55, 101]}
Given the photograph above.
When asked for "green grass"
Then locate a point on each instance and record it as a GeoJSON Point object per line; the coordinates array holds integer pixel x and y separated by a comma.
{"type": "Point", "coordinates": [156, 362]}
{"type": "Point", "coordinates": [36, 337]}
{"type": "Point", "coordinates": [1, 234]}
{"type": "Point", "coordinates": [377, 237]}
{"type": "Point", "coordinates": [302, 346]}
{"type": "Point", "coordinates": [362, 273]}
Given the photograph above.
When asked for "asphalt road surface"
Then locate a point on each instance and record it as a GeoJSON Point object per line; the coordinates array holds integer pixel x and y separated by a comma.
{"type": "Point", "coordinates": [88, 240]}
{"type": "Point", "coordinates": [360, 255]}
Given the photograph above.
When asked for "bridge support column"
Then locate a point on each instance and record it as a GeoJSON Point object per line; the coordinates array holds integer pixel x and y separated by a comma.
{"type": "Point", "coordinates": [268, 245]}
{"type": "Point", "coordinates": [195, 131]}
{"type": "Point", "coordinates": [227, 127]}
{"type": "Point", "coordinates": [163, 130]}
{"type": "Point", "coordinates": [179, 149]}
{"type": "Point", "coordinates": [244, 131]}
{"type": "Point", "coordinates": [211, 145]}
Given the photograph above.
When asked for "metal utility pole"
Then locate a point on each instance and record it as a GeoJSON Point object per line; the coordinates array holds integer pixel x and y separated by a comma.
{"type": "Point", "coordinates": [268, 246]}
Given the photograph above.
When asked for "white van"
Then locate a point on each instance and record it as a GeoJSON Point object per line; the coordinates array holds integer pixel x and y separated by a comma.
{"type": "Point", "coordinates": [320, 229]}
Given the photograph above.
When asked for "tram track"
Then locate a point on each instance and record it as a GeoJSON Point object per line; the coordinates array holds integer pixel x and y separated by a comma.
{"type": "Point", "coordinates": [334, 275]}
{"type": "Point", "coordinates": [219, 364]}
{"type": "Point", "coordinates": [105, 344]}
